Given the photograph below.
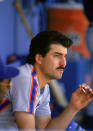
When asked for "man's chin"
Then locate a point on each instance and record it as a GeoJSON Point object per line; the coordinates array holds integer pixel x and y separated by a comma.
{"type": "Point", "coordinates": [59, 77]}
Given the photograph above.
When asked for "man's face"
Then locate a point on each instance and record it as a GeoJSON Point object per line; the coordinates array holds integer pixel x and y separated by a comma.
{"type": "Point", "coordinates": [54, 62]}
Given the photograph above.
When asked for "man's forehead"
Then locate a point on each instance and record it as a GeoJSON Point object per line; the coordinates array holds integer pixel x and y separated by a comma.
{"type": "Point", "coordinates": [58, 48]}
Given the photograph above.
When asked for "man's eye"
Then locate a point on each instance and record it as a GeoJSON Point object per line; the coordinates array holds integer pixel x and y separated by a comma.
{"type": "Point", "coordinates": [57, 55]}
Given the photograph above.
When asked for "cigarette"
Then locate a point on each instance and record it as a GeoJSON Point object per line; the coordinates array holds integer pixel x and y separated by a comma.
{"type": "Point", "coordinates": [85, 91]}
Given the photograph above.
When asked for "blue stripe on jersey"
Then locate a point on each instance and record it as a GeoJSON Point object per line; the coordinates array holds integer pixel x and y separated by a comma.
{"type": "Point", "coordinates": [33, 95]}
{"type": "Point", "coordinates": [3, 105]}
{"type": "Point", "coordinates": [33, 73]}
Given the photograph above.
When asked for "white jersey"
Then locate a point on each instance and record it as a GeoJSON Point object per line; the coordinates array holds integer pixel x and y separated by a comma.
{"type": "Point", "coordinates": [6, 115]}
{"type": "Point", "coordinates": [25, 94]}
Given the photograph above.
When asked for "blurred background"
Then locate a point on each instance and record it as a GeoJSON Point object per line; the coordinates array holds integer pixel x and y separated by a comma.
{"type": "Point", "coordinates": [20, 20]}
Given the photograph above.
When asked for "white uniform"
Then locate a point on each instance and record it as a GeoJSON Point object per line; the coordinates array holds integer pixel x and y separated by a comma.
{"type": "Point", "coordinates": [25, 95]}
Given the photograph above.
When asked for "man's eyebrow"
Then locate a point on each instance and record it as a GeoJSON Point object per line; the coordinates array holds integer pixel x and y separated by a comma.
{"type": "Point", "coordinates": [58, 53]}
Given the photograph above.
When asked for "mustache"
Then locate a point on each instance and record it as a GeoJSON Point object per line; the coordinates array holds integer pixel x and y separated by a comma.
{"type": "Point", "coordinates": [60, 67]}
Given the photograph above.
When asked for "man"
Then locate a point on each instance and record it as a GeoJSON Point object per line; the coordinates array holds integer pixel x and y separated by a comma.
{"type": "Point", "coordinates": [30, 94]}
{"type": "Point", "coordinates": [6, 74]}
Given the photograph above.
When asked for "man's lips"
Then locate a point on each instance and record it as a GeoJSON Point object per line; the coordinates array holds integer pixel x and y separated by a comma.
{"type": "Point", "coordinates": [60, 69]}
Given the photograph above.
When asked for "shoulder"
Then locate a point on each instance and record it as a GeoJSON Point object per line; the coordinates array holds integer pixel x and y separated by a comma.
{"type": "Point", "coordinates": [25, 73]}
{"type": "Point", "coordinates": [23, 79]}
{"type": "Point", "coordinates": [25, 69]}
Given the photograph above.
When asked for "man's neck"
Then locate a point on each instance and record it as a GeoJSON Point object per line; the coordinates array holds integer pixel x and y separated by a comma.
{"type": "Point", "coordinates": [41, 78]}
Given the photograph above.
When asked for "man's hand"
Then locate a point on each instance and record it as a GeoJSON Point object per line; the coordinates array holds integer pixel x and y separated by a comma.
{"type": "Point", "coordinates": [81, 97]}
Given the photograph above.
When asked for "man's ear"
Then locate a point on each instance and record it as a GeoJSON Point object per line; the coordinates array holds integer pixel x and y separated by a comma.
{"type": "Point", "coordinates": [38, 58]}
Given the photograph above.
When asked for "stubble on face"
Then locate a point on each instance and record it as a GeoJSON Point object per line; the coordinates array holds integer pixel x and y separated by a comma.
{"type": "Point", "coordinates": [50, 65]}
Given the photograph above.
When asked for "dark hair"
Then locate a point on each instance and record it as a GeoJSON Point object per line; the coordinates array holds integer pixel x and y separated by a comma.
{"type": "Point", "coordinates": [41, 43]}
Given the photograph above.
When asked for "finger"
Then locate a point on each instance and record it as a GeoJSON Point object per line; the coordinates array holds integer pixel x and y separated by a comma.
{"type": "Point", "coordinates": [86, 90]}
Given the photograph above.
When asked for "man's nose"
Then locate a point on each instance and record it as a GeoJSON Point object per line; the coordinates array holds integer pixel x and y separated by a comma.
{"type": "Point", "coordinates": [63, 62]}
